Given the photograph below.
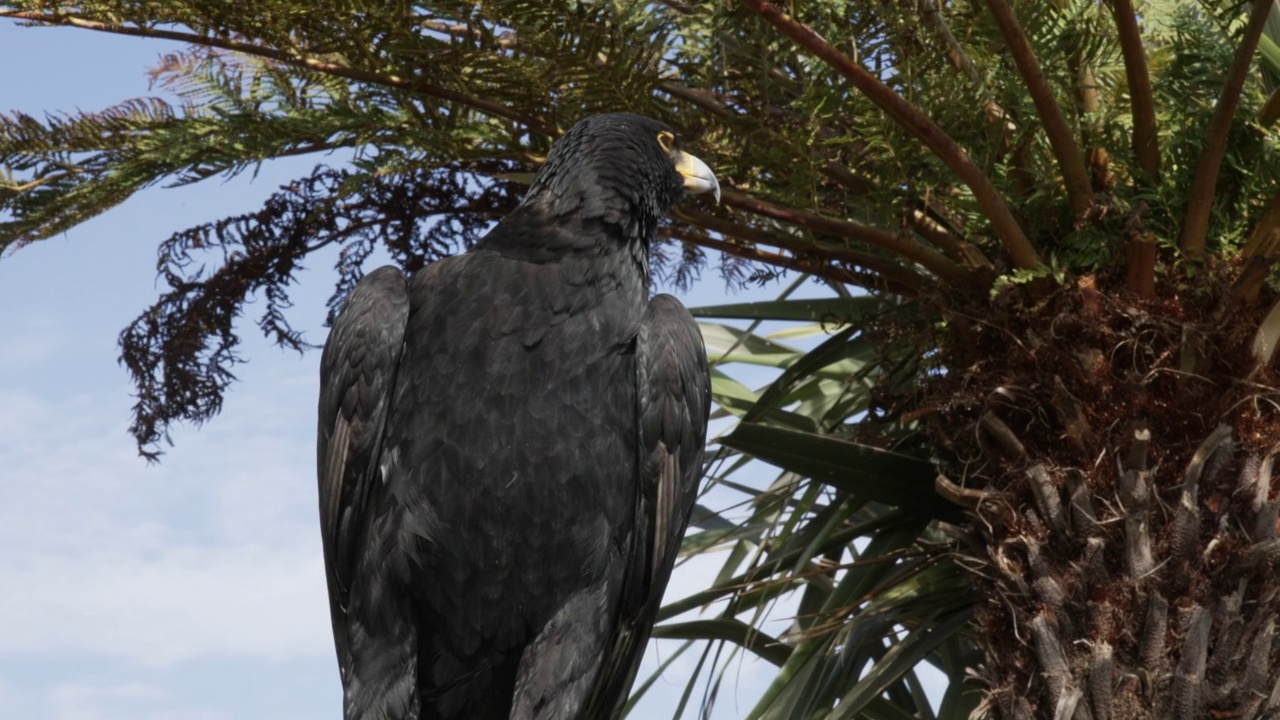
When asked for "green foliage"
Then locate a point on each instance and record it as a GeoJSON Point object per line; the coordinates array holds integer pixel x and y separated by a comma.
{"type": "Point", "coordinates": [1194, 56]}
{"type": "Point", "coordinates": [418, 215]}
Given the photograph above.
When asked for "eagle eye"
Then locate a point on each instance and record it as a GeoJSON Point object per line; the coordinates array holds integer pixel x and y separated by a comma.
{"type": "Point", "coordinates": [666, 140]}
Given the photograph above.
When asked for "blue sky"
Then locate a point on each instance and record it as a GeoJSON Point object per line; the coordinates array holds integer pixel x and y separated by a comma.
{"type": "Point", "coordinates": [192, 589]}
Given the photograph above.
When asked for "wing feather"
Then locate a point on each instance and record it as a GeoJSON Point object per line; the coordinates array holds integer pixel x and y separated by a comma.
{"type": "Point", "coordinates": [674, 394]}
{"type": "Point", "coordinates": [357, 373]}
{"type": "Point", "coordinates": [675, 401]}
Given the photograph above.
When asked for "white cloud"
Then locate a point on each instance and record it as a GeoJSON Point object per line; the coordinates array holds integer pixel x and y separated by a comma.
{"type": "Point", "coordinates": [31, 340]}
{"type": "Point", "coordinates": [12, 702]}
{"type": "Point", "coordinates": [179, 604]}
{"type": "Point", "coordinates": [100, 701]}
{"type": "Point", "coordinates": [214, 552]}
{"type": "Point", "coordinates": [83, 701]}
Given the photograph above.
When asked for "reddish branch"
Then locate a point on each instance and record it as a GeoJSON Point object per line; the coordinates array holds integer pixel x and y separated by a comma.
{"type": "Point", "coordinates": [295, 60]}
{"type": "Point", "coordinates": [814, 251]}
{"type": "Point", "coordinates": [824, 270]}
{"type": "Point", "coordinates": [1140, 265]}
{"type": "Point", "coordinates": [1268, 225]}
{"type": "Point", "coordinates": [1061, 139]}
{"type": "Point", "coordinates": [511, 41]}
{"type": "Point", "coordinates": [1140, 254]}
{"type": "Point", "coordinates": [1260, 253]}
{"type": "Point", "coordinates": [961, 61]}
{"type": "Point", "coordinates": [917, 123]}
{"type": "Point", "coordinates": [958, 58]}
{"type": "Point", "coordinates": [1195, 226]}
{"type": "Point", "coordinates": [938, 234]}
{"type": "Point", "coordinates": [847, 178]}
{"type": "Point", "coordinates": [899, 244]}
{"type": "Point", "coordinates": [1099, 159]}
{"type": "Point", "coordinates": [1146, 143]}
{"type": "Point", "coordinates": [695, 96]}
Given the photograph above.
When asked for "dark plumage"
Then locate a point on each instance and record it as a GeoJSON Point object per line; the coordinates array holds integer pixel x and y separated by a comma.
{"type": "Point", "coordinates": [509, 447]}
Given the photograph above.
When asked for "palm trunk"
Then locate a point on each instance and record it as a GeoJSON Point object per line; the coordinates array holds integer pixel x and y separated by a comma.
{"type": "Point", "coordinates": [1126, 537]}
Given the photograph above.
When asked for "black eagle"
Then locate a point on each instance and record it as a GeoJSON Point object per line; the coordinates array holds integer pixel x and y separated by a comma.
{"type": "Point", "coordinates": [509, 447]}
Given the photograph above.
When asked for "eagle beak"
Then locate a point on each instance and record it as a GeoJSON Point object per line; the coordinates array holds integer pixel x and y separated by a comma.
{"type": "Point", "coordinates": [698, 178]}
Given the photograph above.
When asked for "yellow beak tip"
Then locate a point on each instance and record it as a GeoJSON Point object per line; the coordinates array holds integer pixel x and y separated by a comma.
{"type": "Point", "coordinates": [698, 178]}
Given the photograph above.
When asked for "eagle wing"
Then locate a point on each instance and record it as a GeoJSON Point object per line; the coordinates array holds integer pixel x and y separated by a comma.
{"type": "Point", "coordinates": [357, 373]}
{"type": "Point", "coordinates": [674, 398]}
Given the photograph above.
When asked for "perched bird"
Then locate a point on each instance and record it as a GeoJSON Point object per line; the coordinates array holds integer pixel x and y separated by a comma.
{"type": "Point", "coordinates": [509, 448]}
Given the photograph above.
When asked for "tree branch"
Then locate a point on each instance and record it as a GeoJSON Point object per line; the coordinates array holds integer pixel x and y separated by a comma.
{"type": "Point", "coordinates": [1260, 253]}
{"type": "Point", "coordinates": [1146, 141]}
{"type": "Point", "coordinates": [961, 61]}
{"type": "Point", "coordinates": [300, 61]}
{"type": "Point", "coordinates": [1195, 226]}
{"type": "Point", "coordinates": [938, 234]}
{"type": "Point", "coordinates": [826, 271]}
{"type": "Point", "coordinates": [510, 41]}
{"type": "Point", "coordinates": [1268, 224]}
{"type": "Point", "coordinates": [1090, 100]}
{"type": "Point", "coordinates": [898, 244]}
{"type": "Point", "coordinates": [504, 41]}
{"type": "Point", "coordinates": [900, 275]}
{"type": "Point", "coordinates": [1140, 255]}
{"type": "Point", "coordinates": [917, 123]}
{"type": "Point", "coordinates": [37, 182]}
{"type": "Point", "coordinates": [1061, 139]}
{"type": "Point", "coordinates": [847, 178]}
{"type": "Point", "coordinates": [958, 58]}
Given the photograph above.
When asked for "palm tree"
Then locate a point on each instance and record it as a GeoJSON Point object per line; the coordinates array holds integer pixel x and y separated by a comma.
{"type": "Point", "coordinates": [1033, 447]}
